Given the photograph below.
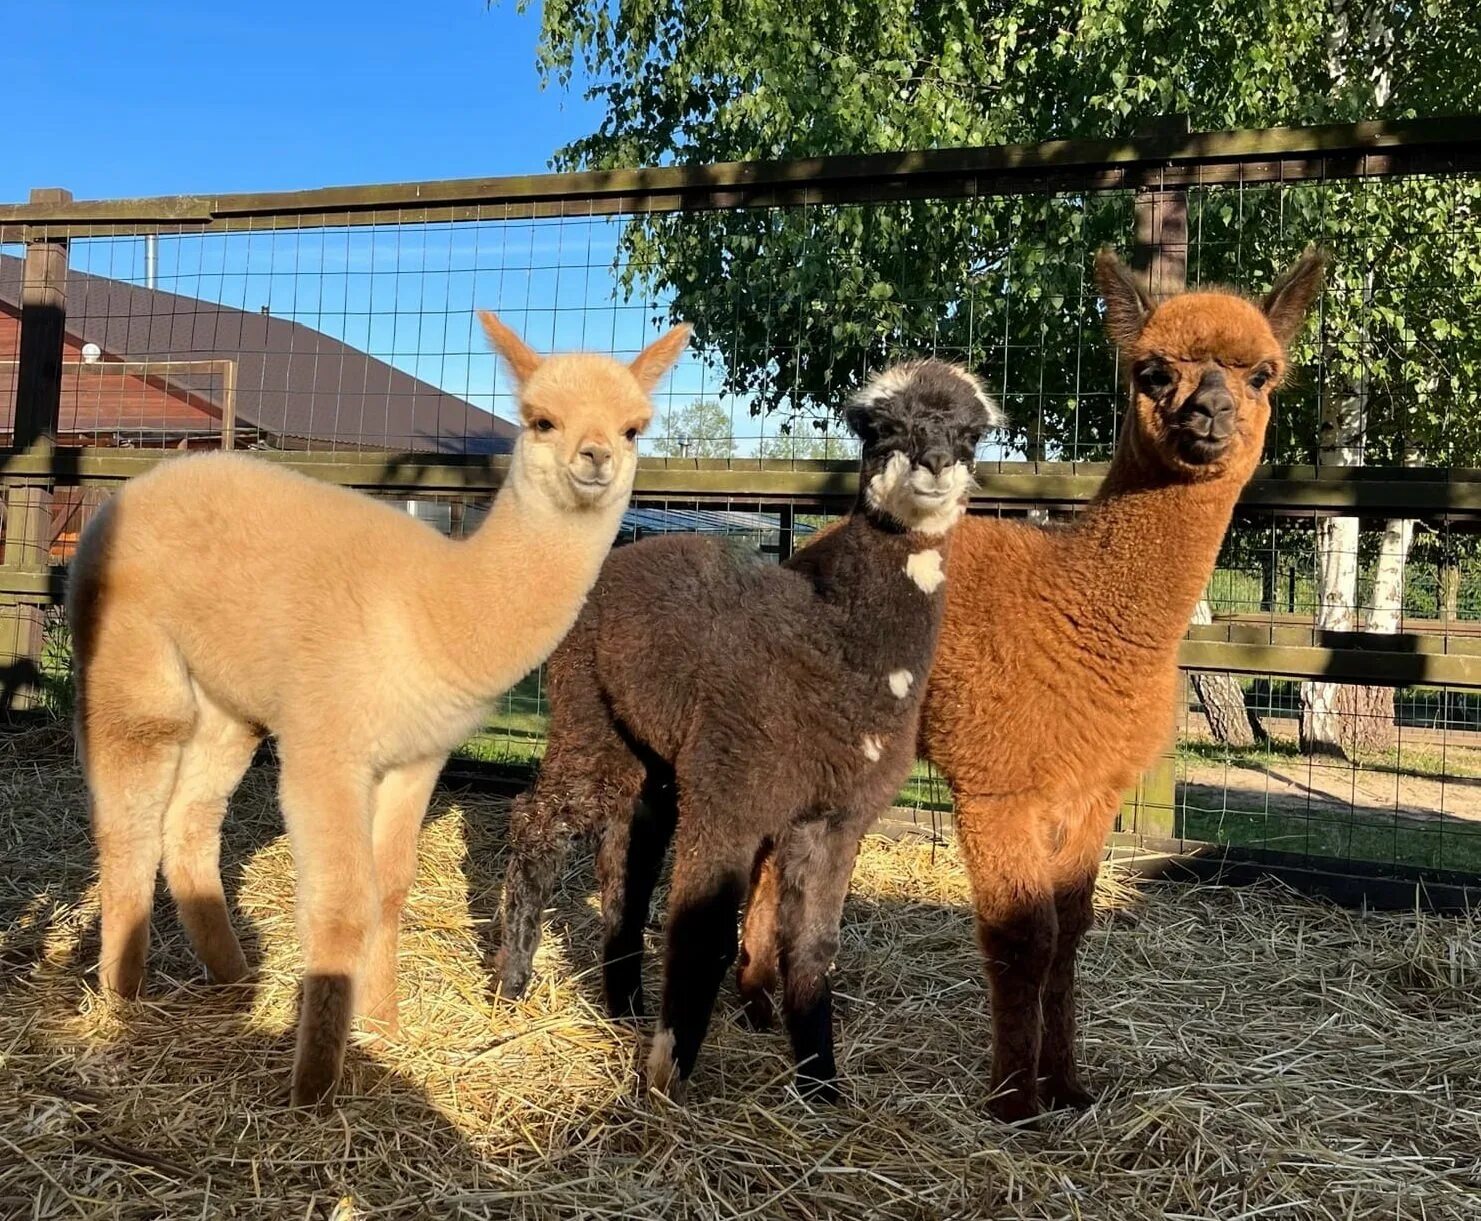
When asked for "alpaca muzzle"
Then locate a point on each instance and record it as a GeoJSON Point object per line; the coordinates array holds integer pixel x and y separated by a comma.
{"type": "Point", "coordinates": [592, 469]}
{"type": "Point", "coordinates": [1206, 423]}
{"type": "Point", "coordinates": [937, 481]}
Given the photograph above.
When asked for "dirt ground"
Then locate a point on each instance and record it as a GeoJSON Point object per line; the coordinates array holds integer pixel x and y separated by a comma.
{"type": "Point", "coordinates": [1430, 774]}
{"type": "Point", "coordinates": [1300, 786]}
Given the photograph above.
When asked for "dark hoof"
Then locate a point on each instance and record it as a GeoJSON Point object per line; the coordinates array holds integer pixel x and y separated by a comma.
{"type": "Point", "coordinates": [1068, 1096]}
{"type": "Point", "coordinates": [627, 1008]}
{"type": "Point", "coordinates": [512, 985]}
{"type": "Point", "coordinates": [314, 1087]}
{"type": "Point", "coordinates": [757, 1011]}
{"type": "Point", "coordinates": [1014, 1106]}
{"type": "Point", "coordinates": [819, 1092]}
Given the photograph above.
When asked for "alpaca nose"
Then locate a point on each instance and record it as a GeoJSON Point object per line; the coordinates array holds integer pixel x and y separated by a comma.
{"type": "Point", "coordinates": [598, 455]}
{"type": "Point", "coordinates": [935, 461]}
{"type": "Point", "coordinates": [1209, 411]}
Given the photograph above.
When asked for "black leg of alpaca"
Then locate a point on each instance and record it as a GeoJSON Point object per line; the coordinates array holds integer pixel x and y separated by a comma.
{"type": "Point", "coordinates": [700, 940]}
{"type": "Point", "coordinates": [815, 861]}
{"type": "Point", "coordinates": [539, 841]}
{"type": "Point", "coordinates": [1075, 906]}
{"type": "Point", "coordinates": [629, 863]}
{"type": "Point", "coordinates": [1018, 944]}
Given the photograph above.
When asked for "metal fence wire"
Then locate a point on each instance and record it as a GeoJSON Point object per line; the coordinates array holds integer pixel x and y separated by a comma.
{"type": "Point", "coordinates": [335, 330]}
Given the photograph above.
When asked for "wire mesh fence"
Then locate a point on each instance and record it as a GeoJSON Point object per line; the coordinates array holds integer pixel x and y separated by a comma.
{"type": "Point", "coordinates": [338, 330]}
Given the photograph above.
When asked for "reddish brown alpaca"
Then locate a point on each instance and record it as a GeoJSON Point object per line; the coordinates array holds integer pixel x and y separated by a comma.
{"type": "Point", "coordinates": [1054, 679]}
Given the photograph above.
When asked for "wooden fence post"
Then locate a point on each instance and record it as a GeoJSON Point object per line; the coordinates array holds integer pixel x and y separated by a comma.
{"type": "Point", "coordinates": [38, 403]}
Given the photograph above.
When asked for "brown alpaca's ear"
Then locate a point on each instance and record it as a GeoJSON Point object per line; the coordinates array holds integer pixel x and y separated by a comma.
{"type": "Point", "coordinates": [1287, 303]}
{"type": "Point", "coordinates": [522, 359]}
{"type": "Point", "coordinates": [658, 357]}
{"type": "Point", "coordinates": [1127, 304]}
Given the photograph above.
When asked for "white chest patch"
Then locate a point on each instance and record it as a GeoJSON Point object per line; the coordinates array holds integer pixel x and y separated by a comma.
{"type": "Point", "coordinates": [871, 748]}
{"type": "Point", "coordinates": [924, 568]}
{"type": "Point", "coordinates": [900, 681]}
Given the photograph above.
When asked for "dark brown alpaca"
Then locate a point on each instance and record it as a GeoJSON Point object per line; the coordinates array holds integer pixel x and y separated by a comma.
{"type": "Point", "coordinates": [753, 707]}
{"type": "Point", "coordinates": [1053, 684]}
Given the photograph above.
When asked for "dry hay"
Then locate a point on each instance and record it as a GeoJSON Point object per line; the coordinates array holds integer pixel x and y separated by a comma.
{"type": "Point", "coordinates": [1259, 1055]}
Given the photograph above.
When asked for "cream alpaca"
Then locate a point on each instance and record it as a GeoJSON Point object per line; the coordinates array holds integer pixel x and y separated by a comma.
{"type": "Point", "coordinates": [219, 598]}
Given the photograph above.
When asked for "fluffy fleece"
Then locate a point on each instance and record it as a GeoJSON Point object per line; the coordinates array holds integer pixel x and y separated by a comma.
{"type": "Point", "coordinates": [219, 598]}
{"type": "Point", "coordinates": [1053, 686]}
{"type": "Point", "coordinates": [757, 709]}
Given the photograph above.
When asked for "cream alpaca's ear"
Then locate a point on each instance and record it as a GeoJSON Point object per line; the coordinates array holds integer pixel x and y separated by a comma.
{"type": "Point", "coordinates": [522, 359]}
{"type": "Point", "coordinates": [1127, 304]}
{"type": "Point", "coordinates": [658, 357]}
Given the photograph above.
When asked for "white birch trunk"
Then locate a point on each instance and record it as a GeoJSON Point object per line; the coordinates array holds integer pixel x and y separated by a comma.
{"type": "Point", "coordinates": [1343, 425]}
{"type": "Point", "coordinates": [1373, 708]}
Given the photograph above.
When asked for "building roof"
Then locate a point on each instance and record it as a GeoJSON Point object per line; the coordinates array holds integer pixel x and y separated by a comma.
{"type": "Point", "coordinates": [704, 521]}
{"type": "Point", "coordinates": [292, 382]}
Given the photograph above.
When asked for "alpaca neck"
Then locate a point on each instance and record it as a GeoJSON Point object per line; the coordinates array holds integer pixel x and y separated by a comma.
{"type": "Point", "coordinates": [514, 588]}
{"type": "Point", "coordinates": [1143, 550]}
{"type": "Point", "coordinates": [868, 578]}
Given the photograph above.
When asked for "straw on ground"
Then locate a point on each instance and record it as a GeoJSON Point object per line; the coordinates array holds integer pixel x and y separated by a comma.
{"type": "Point", "coordinates": [1262, 1056]}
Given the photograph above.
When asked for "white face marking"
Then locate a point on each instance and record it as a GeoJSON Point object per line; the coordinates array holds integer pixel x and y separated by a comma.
{"type": "Point", "coordinates": [900, 681]}
{"type": "Point", "coordinates": [924, 568]}
{"type": "Point", "coordinates": [887, 384]}
{"type": "Point", "coordinates": [871, 747]}
{"type": "Point", "coordinates": [663, 1069]}
{"type": "Point", "coordinates": [884, 487]}
{"type": "Point", "coordinates": [917, 499]}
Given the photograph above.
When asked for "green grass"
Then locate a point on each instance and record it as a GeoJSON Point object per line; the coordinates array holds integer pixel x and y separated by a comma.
{"type": "Point", "coordinates": [1354, 834]}
{"type": "Point", "coordinates": [1351, 835]}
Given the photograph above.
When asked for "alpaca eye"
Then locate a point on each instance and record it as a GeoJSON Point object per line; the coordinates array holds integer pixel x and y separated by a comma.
{"type": "Point", "coordinates": [631, 434]}
{"type": "Point", "coordinates": [1155, 379]}
{"type": "Point", "coordinates": [544, 425]}
{"type": "Point", "coordinates": [1261, 377]}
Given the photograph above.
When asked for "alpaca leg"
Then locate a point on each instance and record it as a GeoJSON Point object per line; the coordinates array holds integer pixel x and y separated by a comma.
{"type": "Point", "coordinates": [628, 863]}
{"type": "Point", "coordinates": [815, 861]}
{"type": "Point", "coordinates": [400, 805]}
{"type": "Point", "coordinates": [136, 713]}
{"type": "Point", "coordinates": [542, 824]}
{"type": "Point", "coordinates": [757, 970]}
{"type": "Point", "coordinates": [711, 865]}
{"type": "Point", "coordinates": [130, 783]}
{"type": "Point", "coordinates": [327, 810]}
{"type": "Point", "coordinates": [1005, 850]}
{"type": "Point", "coordinates": [589, 777]}
{"type": "Point", "coordinates": [214, 760]}
{"type": "Point", "coordinates": [1074, 867]}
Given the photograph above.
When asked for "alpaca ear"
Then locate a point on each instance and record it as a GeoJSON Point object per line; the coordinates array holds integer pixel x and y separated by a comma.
{"type": "Point", "coordinates": [856, 416]}
{"type": "Point", "coordinates": [1289, 300]}
{"type": "Point", "coordinates": [522, 359]}
{"type": "Point", "coordinates": [1128, 305]}
{"type": "Point", "coordinates": [658, 357]}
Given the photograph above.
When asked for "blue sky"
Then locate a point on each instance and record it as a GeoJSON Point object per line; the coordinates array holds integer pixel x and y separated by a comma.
{"type": "Point", "coordinates": [175, 97]}
{"type": "Point", "coordinates": [171, 97]}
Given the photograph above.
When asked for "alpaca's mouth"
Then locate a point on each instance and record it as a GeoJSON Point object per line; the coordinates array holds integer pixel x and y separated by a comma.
{"type": "Point", "coordinates": [1201, 451]}
{"type": "Point", "coordinates": [589, 487]}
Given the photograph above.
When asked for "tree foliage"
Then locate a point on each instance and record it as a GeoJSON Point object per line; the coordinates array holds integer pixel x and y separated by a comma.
{"type": "Point", "coordinates": [795, 304]}
{"type": "Point", "coordinates": [704, 429]}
